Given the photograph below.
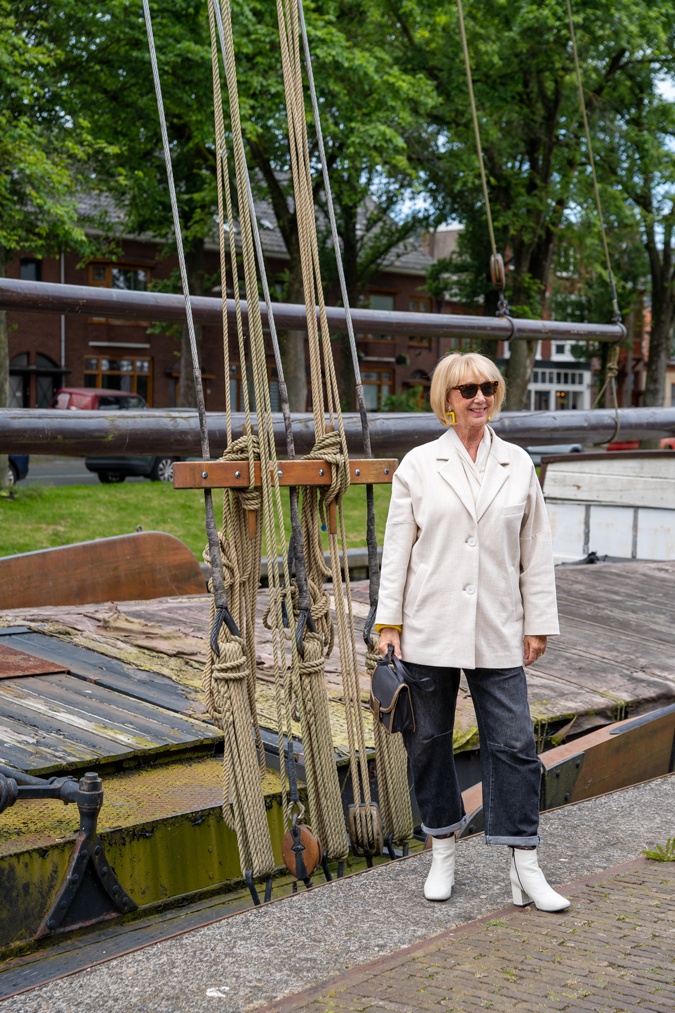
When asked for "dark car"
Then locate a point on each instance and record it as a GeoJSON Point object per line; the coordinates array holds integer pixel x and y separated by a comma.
{"type": "Point", "coordinates": [18, 468]}
{"type": "Point", "coordinates": [114, 469]}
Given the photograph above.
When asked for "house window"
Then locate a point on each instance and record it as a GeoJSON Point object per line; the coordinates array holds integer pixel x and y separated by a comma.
{"type": "Point", "coordinates": [30, 269]}
{"type": "Point", "coordinates": [132, 375]}
{"type": "Point", "coordinates": [376, 388]}
{"type": "Point", "coordinates": [380, 301]}
{"type": "Point", "coordinates": [420, 306]}
{"type": "Point", "coordinates": [542, 400]}
{"type": "Point", "coordinates": [129, 277]}
{"type": "Point", "coordinates": [125, 277]}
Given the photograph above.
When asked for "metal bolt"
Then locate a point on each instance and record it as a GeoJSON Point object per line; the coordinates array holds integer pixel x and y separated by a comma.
{"type": "Point", "coordinates": [104, 870]}
{"type": "Point", "coordinates": [237, 474]}
{"type": "Point", "coordinates": [577, 764]}
{"type": "Point", "coordinates": [205, 474]}
{"type": "Point", "coordinates": [84, 855]}
{"type": "Point", "coordinates": [386, 471]}
{"type": "Point", "coordinates": [97, 850]}
{"type": "Point", "coordinates": [557, 773]}
{"type": "Point", "coordinates": [567, 796]}
{"type": "Point", "coordinates": [116, 889]}
{"type": "Point", "coordinates": [280, 473]}
{"type": "Point", "coordinates": [358, 471]}
{"type": "Point", "coordinates": [321, 471]}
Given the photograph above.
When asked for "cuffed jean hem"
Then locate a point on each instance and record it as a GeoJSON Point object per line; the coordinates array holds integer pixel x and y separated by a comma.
{"type": "Point", "coordinates": [439, 831]}
{"type": "Point", "coordinates": [515, 842]}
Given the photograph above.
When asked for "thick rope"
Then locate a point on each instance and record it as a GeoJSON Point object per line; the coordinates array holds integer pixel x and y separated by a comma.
{"type": "Point", "coordinates": [322, 371]}
{"type": "Point", "coordinates": [391, 757]}
{"type": "Point", "coordinates": [294, 687]}
{"type": "Point", "coordinates": [392, 776]}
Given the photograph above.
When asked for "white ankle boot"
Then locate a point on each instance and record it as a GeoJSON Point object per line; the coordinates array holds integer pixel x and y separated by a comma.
{"type": "Point", "coordinates": [528, 884]}
{"type": "Point", "coordinates": [441, 878]}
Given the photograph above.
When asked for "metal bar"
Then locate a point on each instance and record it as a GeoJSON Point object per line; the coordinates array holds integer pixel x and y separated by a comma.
{"type": "Point", "coordinates": [31, 296]}
{"type": "Point", "coordinates": [175, 432]}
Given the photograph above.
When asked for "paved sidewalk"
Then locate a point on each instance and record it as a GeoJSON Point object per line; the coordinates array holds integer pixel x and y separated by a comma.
{"type": "Point", "coordinates": [392, 950]}
{"type": "Point", "coordinates": [614, 950]}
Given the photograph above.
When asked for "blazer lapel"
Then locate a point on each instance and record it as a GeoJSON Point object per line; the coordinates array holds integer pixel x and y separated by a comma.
{"type": "Point", "coordinates": [451, 469]}
{"type": "Point", "coordinates": [496, 473]}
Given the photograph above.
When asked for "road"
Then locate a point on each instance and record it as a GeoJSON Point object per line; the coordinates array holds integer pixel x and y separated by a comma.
{"type": "Point", "coordinates": [45, 470]}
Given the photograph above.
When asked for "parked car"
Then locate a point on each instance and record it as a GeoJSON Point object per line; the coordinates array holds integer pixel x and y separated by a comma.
{"type": "Point", "coordinates": [667, 443]}
{"type": "Point", "coordinates": [551, 449]}
{"type": "Point", "coordinates": [96, 399]}
{"type": "Point", "coordinates": [114, 469]}
{"type": "Point", "coordinates": [18, 468]}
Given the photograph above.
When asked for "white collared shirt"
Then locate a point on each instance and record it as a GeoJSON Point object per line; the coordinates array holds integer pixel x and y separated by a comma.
{"type": "Point", "coordinates": [474, 469]}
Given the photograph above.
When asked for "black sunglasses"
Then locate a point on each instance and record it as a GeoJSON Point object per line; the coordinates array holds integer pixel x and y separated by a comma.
{"type": "Point", "coordinates": [469, 390]}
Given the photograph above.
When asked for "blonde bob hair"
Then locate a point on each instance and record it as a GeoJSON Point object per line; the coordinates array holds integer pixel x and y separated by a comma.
{"type": "Point", "coordinates": [463, 367]}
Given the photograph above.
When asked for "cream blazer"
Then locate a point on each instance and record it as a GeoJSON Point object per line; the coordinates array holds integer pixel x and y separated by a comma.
{"type": "Point", "coordinates": [467, 580]}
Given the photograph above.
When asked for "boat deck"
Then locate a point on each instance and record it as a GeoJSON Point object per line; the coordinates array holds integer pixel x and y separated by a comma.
{"type": "Point", "coordinates": [119, 683]}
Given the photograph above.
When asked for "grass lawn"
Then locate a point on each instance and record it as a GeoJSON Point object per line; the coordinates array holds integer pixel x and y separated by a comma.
{"type": "Point", "coordinates": [41, 518]}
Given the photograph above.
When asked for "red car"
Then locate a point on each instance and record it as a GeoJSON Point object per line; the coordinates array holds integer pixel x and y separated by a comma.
{"type": "Point", "coordinates": [667, 443]}
{"type": "Point", "coordinates": [114, 469]}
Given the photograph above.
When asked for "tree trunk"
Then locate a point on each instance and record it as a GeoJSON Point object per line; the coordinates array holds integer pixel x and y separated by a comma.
{"type": "Point", "coordinates": [663, 312]}
{"type": "Point", "coordinates": [292, 347]}
{"type": "Point", "coordinates": [4, 378]}
{"type": "Point", "coordinates": [186, 395]}
{"type": "Point", "coordinates": [518, 372]}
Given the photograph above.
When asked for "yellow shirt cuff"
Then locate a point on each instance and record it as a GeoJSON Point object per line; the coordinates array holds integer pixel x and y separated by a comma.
{"type": "Point", "coordinates": [387, 626]}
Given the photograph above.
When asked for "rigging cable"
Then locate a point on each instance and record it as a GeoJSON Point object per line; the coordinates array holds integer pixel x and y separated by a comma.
{"type": "Point", "coordinates": [497, 272]}
{"type": "Point", "coordinates": [612, 367]}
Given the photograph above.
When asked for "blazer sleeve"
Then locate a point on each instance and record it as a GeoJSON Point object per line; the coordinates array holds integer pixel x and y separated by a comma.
{"type": "Point", "coordinates": [537, 576]}
{"type": "Point", "coordinates": [399, 537]}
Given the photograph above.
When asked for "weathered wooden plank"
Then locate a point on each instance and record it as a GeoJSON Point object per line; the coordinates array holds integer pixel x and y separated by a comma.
{"type": "Point", "coordinates": [148, 564]}
{"type": "Point", "coordinates": [90, 708]}
{"type": "Point", "coordinates": [30, 749]}
{"type": "Point", "coordinates": [235, 474]}
{"type": "Point", "coordinates": [614, 479]}
{"type": "Point", "coordinates": [112, 673]}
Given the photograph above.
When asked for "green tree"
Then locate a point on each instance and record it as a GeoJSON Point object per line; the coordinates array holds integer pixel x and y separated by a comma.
{"type": "Point", "coordinates": [41, 158]}
{"type": "Point", "coordinates": [639, 136]}
{"type": "Point", "coordinates": [367, 104]}
{"type": "Point", "coordinates": [530, 123]}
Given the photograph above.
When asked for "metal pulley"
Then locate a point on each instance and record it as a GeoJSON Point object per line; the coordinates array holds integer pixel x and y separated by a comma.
{"type": "Point", "coordinates": [497, 272]}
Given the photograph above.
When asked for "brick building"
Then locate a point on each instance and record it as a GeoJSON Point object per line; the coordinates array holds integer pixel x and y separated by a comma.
{"type": "Point", "coordinates": [48, 351]}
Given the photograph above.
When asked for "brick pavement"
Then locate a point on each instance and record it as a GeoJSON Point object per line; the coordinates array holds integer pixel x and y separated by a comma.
{"type": "Point", "coordinates": [613, 951]}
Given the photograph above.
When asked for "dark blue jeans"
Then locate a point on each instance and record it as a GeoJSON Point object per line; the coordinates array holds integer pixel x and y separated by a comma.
{"type": "Point", "coordinates": [509, 762]}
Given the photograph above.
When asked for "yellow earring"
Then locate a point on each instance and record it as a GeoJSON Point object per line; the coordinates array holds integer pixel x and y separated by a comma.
{"type": "Point", "coordinates": [450, 416]}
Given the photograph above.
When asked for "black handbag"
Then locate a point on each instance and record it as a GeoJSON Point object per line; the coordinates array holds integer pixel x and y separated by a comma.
{"type": "Point", "coordinates": [390, 699]}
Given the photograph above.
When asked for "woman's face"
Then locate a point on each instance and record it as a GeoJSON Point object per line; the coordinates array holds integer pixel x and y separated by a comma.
{"type": "Point", "coordinates": [470, 413]}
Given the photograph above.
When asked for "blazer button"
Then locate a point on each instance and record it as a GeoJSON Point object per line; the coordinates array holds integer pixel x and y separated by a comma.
{"type": "Point", "coordinates": [469, 589]}
{"type": "Point", "coordinates": [471, 541]}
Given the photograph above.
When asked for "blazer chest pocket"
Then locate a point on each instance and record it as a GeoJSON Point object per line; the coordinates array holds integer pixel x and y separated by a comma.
{"type": "Point", "coordinates": [515, 510]}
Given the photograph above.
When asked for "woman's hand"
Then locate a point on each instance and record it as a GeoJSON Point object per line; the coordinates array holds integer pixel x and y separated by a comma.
{"type": "Point", "coordinates": [534, 647]}
{"type": "Point", "coordinates": [388, 635]}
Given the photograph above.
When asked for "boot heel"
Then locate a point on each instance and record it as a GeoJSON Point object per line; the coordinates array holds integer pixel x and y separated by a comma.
{"type": "Point", "coordinates": [520, 898]}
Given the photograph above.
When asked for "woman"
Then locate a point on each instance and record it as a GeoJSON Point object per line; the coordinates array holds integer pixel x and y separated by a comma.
{"type": "Point", "coordinates": [467, 583]}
